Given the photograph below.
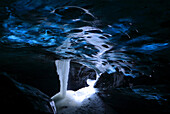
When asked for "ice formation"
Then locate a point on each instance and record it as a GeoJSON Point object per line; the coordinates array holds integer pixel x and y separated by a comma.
{"type": "Point", "coordinates": [63, 67]}
{"type": "Point", "coordinates": [68, 97]}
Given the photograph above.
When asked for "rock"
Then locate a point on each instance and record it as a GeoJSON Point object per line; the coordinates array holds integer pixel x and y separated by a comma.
{"type": "Point", "coordinates": [34, 69]}
{"type": "Point", "coordinates": [161, 73]}
{"type": "Point", "coordinates": [110, 80]}
{"type": "Point", "coordinates": [21, 98]}
{"type": "Point", "coordinates": [124, 100]}
{"type": "Point", "coordinates": [95, 105]}
{"type": "Point", "coordinates": [78, 76]}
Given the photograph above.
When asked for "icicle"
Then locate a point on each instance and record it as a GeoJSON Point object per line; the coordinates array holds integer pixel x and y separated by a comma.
{"type": "Point", "coordinates": [63, 67]}
{"type": "Point", "coordinates": [69, 98]}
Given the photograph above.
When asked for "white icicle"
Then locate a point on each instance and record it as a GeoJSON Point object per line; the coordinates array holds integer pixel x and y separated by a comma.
{"type": "Point", "coordinates": [63, 67]}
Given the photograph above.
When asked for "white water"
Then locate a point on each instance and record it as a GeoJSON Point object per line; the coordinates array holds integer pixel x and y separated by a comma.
{"type": "Point", "coordinates": [63, 67]}
{"type": "Point", "coordinates": [70, 98]}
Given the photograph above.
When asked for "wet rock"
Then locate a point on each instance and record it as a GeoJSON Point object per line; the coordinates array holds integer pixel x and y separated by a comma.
{"type": "Point", "coordinates": [21, 98]}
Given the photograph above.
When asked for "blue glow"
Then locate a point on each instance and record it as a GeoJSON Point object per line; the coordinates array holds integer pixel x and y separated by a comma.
{"type": "Point", "coordinates": [155, 46]}
{"type": "Point", "coordinates": [149, 95]}
{"type": "Point", "coordinates": [139, 39]}
{"type": "Point", "coordinates": [109, 43]}
{"type": "Point", "coordinates": [14, 39]}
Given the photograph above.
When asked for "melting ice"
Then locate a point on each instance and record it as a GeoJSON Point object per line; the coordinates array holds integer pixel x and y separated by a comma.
{"type": "Point", "coordinates": [70, 98]}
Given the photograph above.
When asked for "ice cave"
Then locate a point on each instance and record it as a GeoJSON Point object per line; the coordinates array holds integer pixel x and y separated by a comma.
{"type": "Point", "coordinates": [84, 56]}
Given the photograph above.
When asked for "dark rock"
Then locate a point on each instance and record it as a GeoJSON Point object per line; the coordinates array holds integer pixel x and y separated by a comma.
{"type": "Point", "coordinates": [110, 80]}
{"type": "Point", "coordinates": [78, 76]}
{"type": "Point", "coordinates": [32, 67]}
{"type": "Point", "coordinates": [21, 98]}
{"type": "Point", "coordinates": [165, 24]}
{"type": "Point", "coordinates": [124, 100]}
{"type": "Point", "coordinates": [161, 73]}
{"type": "Point", "coordinates": [143, 79]}
{"type": "Point", "coordinates": [157, 94]}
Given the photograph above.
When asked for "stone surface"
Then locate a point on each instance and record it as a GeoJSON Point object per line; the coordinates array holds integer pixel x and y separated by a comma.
{"type": "Point", "coordinates": [124, 100]}
{"type": "Point", "coordinates": [113, 80]}
{"type": "Point", "coordinates": [21, 98]}
{"type": "Point", "coordinates": [31, 67]}
{"type": "Point", "coordinates": [78, 76]}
